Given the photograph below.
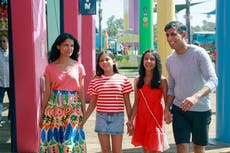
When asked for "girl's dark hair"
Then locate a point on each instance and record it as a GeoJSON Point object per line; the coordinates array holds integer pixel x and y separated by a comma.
{"type": "Point", "coordinates": [55, 52]}
{"type": "Point", "coordinates": [157, 72]}
{"type": "Point", "coordinates": [99, 70]}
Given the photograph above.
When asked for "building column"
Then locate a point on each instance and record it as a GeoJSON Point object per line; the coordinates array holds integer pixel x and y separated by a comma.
{"type": "Point", "coordinates": [30, 58]}
{"type": "Point", "coordinates": [165, 14]}
{"type": "Point", "coordinates": [72, 19]}
{"type": "Point", "coordinates": [145, 25]}
{"type": "Point", "coordinates": [223, 72]}
{"type": "Point", "coordinates": [88, 49]}
{"type": "Point", "coordinates": [83, 28]}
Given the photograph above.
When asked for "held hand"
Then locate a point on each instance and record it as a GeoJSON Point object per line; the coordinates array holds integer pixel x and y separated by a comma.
{"type": "Point", "coordinates": [130, 128]}
{"type": "Point", "coordinates": [41, 122]}
{"type": "Point", "coordinates": [80, 125]}
{"type": "Point", "coordinates": [168, 117]}
{"type": "Point", "coordinates": [41, 119]}
{"type": "Point", "coordinates": [188, 103]}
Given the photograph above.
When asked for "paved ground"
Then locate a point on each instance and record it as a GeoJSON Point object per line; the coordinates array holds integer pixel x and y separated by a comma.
{"type": "Point", "coordinates": [92, 141]}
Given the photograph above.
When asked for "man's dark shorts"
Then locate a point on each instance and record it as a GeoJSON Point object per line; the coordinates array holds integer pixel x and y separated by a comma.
{"type": "Point", "coordinates": [185, 123]}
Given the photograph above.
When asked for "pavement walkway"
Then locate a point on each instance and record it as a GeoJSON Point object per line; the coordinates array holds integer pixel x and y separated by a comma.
{"type": "Point", "coordinates": [93, 145]}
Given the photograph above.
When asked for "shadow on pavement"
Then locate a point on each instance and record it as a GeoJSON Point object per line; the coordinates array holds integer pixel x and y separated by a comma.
{"type": "Point", "coordinates": [209, 149]}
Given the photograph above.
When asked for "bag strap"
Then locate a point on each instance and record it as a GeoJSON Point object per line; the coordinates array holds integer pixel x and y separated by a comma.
{"type": "Point", "coordinates": [146, 103]}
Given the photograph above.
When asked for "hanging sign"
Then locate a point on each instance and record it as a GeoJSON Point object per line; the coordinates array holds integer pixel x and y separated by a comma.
{"type": "Point", "coordinates": [87, 7]}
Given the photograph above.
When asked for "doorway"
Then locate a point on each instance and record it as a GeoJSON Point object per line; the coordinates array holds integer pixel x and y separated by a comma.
{"type": "Point", "coordinates": [8, 128]}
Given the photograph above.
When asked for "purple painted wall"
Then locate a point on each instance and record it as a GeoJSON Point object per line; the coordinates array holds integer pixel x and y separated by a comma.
{"type": "Point", "coordinates": [134, 16]}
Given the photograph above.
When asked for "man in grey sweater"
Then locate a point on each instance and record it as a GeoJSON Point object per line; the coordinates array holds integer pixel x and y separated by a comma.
{"type": "Point", "coordinates": [191, 77]}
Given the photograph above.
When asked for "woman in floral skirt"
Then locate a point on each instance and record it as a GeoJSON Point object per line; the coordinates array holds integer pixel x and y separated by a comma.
{"type": "Point", "coordinates": [63, 103]}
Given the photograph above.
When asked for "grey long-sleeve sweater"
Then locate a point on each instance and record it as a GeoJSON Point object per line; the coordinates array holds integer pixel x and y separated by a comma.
{"type": "Point", "coordinates": [188, 73]}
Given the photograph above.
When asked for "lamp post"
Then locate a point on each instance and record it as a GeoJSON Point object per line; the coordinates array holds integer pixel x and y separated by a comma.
{"type": "Point", "coordinates": [100, 19]}
{"type": "Point", "coordinates": [188, 3]}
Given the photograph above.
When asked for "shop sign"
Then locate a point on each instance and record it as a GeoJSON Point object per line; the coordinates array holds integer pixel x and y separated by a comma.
{"type": "Point", "coordinates": [87, 7]}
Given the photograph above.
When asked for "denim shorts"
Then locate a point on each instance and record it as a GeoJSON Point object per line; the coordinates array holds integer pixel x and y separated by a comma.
{"type": "Point", "coordinates": [109, 123]}
{"type": "Point", "coordinates": [185, 123]}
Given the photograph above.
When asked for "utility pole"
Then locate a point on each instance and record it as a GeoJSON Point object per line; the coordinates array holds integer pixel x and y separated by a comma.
{"type": "Point", "coordinates": [100, 19]}
{"type": "Point", "coordinates": [188, 26]}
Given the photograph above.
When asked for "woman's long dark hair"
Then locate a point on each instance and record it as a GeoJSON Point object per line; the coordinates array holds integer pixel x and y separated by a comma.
{"type": "Point", "coordinates": [99, 70]}
{"type": "Point", "coordinates": [55, 52]}
{"type": "Point", "coordinates": [157, 72]}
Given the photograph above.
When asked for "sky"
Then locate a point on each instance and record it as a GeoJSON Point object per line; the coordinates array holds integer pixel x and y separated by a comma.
{"type": "Point", "coordinates": [197, 12]}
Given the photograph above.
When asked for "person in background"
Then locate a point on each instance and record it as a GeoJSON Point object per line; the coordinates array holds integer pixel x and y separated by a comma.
{"type": "Point", "coordinates": [4, 75]}
{"type": "Point", "coordinates": [196, 43]}
{"type": "Point", "coordinates": [109, 92]}
{"type": "Point", "coordinates": [151, 88]}
{"type": "Point", "coordinates": [63, 104]}
{"type": "Point", "coordinates": [214, 56]}
{"type": "Point", "coordinates": [191, 78]}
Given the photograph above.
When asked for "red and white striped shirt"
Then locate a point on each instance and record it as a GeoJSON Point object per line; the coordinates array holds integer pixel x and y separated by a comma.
{"type": "Point", "coordinates": [109, 91]}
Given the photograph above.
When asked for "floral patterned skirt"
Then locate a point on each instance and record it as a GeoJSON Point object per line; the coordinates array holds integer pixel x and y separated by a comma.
{"type": "Point", "coordinates": [59, 132]}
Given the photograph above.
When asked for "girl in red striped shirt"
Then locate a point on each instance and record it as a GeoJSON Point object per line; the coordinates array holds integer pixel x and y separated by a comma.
{"type": "Point", "coordinates": [109, 92]}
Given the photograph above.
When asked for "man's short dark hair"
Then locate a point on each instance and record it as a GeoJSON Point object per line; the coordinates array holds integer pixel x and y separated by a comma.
{"type": "Point", "coordinates": [175, 25]}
